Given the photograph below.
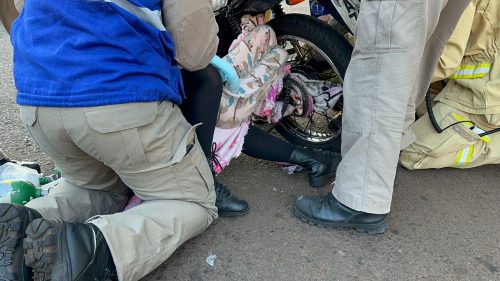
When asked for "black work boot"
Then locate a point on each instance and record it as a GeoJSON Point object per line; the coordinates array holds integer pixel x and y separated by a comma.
{"type": "Point", "coordinates": [227, 204]}
{"type": "Point", "coordinates": [327, 211]}
{"type": "Point", "coordinates": [14, 219]}
{"type": "Point", "coordinates": [64, 251]}
{"type": "Point", "coordinates": [320, 165]}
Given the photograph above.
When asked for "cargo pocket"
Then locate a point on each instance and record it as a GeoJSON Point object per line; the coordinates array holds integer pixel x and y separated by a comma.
{"type": "Point", "coordinates": [193, 175]}
{"type": "Point", "coordinates": [388, 24]}
{"type": "Point", "coordinates": [452, 140]}
{"type": "Point", "coordinates": [115, 134]}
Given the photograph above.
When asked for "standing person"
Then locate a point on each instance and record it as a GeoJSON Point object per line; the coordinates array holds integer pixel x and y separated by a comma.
{"type": "Point", "coordinates": [471, 62]}
{"type": "Point", "coordinates": [398, 45]}
{"type": "Point", "coordinates": [99, 91]}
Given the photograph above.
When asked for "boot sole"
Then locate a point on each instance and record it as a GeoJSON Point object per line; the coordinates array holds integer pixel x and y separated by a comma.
{"type": "Point", "coordinates": [12, 226]}
{"type": "Point", "coordinates": [233, 214]}
{"type": "Point", "coordinates": [376, 228]}
{"type": "Point", "coordinates": [40, 246]}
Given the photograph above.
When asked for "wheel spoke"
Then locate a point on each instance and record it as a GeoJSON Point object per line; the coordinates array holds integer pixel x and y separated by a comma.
{"type": "Point", "coordinates": [313, 128]}
{"type": "Point", "coordinates": [296, 47]}
{"type": "Point", "coordinates": [324, 115]}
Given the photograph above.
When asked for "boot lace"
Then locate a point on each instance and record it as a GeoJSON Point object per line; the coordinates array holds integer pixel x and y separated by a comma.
{"type": "Point", "coordinates": [214, 163]}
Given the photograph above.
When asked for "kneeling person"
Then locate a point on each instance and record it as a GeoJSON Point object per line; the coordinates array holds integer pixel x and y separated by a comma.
{"type": "Point", "coordinates": [469, 105]}
{"type": "Point", "coordinates": [99, 90]}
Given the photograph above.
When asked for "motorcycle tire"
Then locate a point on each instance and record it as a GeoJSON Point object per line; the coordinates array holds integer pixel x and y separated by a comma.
{"type": "Point", "coordinates": [333, 45]}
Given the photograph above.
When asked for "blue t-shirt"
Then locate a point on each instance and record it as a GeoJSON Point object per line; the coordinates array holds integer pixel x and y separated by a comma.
{"type": "Point", "coordinates": [74, 53]}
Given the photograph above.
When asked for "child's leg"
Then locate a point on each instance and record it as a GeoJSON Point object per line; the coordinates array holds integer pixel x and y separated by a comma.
{"type": "Point", "coordinates": [203, 90]}
{"type": "Point", "coordinates": [261, 145]}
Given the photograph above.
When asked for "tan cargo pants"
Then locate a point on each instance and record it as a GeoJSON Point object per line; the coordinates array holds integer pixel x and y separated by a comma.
{"type": "Point", "coordinates": [103, 150]}
{"type": "Point", "coordinates": [398, 45]}
{"type": "Point", "coordinates": [457, 147]}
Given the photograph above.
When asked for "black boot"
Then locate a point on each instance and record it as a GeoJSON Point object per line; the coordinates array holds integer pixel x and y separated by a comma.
{"type": "Point", "coordinates": [14, 219]}
{"type": "Point", "coordinates": [64, 251]}
{"type": "Point", "coordinates": [227, 204]}
{"type": "Point", "coordinates": [327, 211]}
{"type": "Point", "coordinates": [320, 165]}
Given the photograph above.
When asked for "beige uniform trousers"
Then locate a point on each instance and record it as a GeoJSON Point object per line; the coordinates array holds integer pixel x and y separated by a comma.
{"type": "Point", "coordinates": [103, 150]}
{"type": "Point", "coordinates": [459, 146]}
{"type": "Point", "coordinates": [398, 45]}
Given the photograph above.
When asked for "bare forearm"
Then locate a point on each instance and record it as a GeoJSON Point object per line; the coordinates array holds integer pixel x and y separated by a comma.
{"type": "Point", "coordinates": [8, 13]}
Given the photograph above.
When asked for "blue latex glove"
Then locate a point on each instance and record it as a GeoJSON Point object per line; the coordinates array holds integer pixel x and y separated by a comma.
{"type": "Point", "coordinates": [228, 73]}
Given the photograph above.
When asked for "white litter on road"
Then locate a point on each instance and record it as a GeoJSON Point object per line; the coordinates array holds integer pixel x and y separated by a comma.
{"type": "Point", "coordinates": [292, 169]}
{"type": "Point", "coordinates": [211, 260]}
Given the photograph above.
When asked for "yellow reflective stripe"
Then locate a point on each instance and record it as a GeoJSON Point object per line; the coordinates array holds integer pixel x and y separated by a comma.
{"type": "Point", "coordinates": [464, 157]}
{"type": "Point", "coordinates": [462, 119]}
{"type": "Point", "coordinates": [472, 71]}
{"type": "Point", "coordinates": [474, 129]}
{"type": "Point", "coordinates": [474, 66]}
{"type": "Point", "coordinates": [471, 151]}
{"type": "Point", "coordinates": [480, 131]}
{"type": "Point", "coordinates": [459, 156]}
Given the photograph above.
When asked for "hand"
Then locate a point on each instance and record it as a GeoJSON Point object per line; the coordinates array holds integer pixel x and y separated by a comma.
{"type": "Point", "coordinates": [228, 73]}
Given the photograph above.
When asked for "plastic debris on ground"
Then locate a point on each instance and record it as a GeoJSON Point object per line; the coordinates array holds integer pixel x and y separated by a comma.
{"type": "Point", "coordinates": [290, 168]}
{"type": "Point", "coordinates": [211, 260]}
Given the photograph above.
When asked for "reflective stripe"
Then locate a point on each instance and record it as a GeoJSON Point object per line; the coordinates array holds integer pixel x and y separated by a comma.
{"type": "Point", "coordinates": [472, 127]}
{"type": "Point", "coordinates": [464, 157]}
{"type": "Point", "coordinates": [147, 15]}
{"type": "Point", "coordinates": [472, 71]}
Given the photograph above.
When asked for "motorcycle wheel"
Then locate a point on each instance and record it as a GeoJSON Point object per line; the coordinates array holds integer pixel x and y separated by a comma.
{"type": "Point", "coordinates": [316, 49]}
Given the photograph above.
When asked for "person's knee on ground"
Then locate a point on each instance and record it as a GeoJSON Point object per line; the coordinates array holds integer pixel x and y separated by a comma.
{"type": "Point", "coordinates": [49, 243]}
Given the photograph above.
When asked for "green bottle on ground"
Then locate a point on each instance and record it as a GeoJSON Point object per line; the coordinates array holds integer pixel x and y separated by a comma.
{"type": "Point", "coordinates": [19, 192]}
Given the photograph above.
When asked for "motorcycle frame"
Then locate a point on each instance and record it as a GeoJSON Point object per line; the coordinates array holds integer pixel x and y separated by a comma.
{"type": "Point", "coordinates": [343, 11]}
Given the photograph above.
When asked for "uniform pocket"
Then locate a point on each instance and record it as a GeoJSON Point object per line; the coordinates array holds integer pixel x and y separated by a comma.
{"type": "Point", "coordinates": [452, 140]}
{"type": "Point", "coordinates": [201, 163]}
{"type": "Point", "coordinates": [115, 132]}
{"type": "Point", "coordinates": [193, 175]}
{"type": "Point", "coordinates": [388, 24]}
{"type": "Point", "coordinates": [113, 118]}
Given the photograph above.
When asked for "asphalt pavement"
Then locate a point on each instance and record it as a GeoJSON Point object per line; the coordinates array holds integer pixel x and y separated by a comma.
{"type": "Point", "coordinates": [444, 224]}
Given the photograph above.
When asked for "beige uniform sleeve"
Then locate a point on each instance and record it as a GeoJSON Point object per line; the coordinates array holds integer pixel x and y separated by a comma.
{"type": "Point", "coordinates": [455, 48]}
{"type": "Point", "coordinates": [192, 25]}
